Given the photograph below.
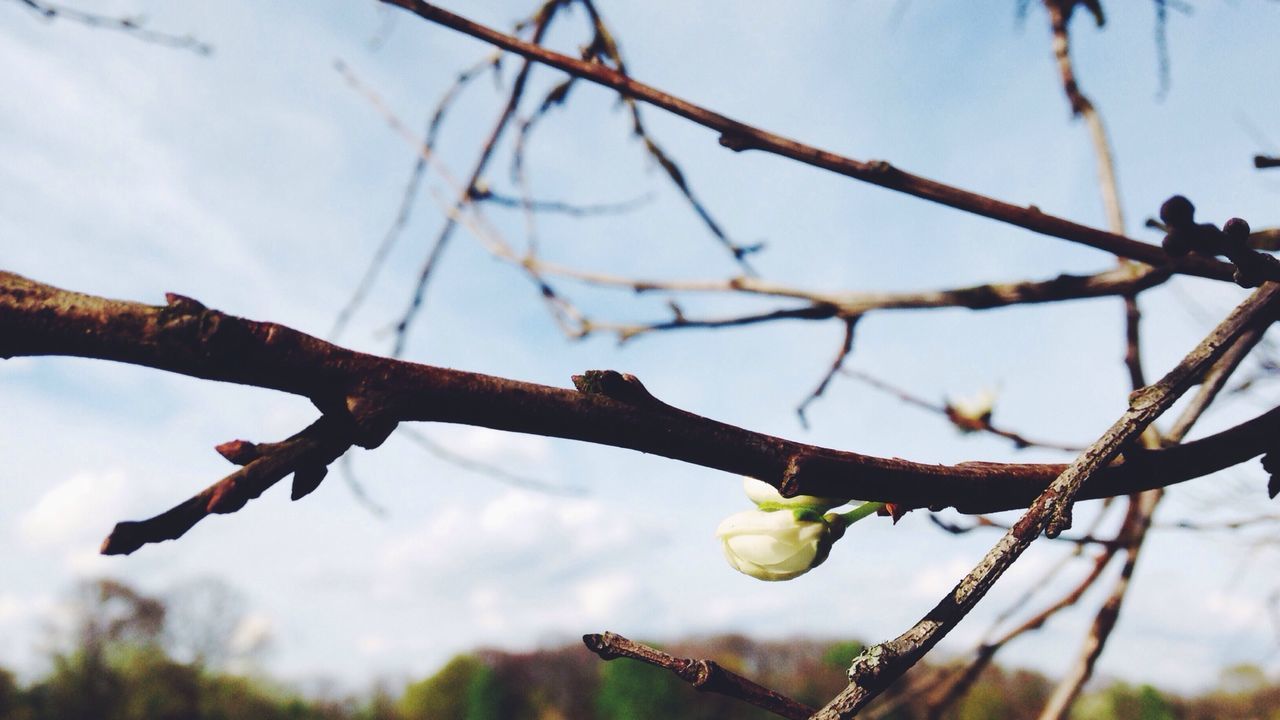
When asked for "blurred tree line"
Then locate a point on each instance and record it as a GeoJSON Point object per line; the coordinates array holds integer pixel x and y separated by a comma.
{"type": "Point", "coordinates": [186, 656]}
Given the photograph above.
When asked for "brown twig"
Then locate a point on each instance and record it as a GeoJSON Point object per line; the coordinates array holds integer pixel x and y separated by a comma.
{"type": "Point", "coordinates": [737, 135]}
{"type": "Point", "coordinates": [306, 455]}
{"type": "Point", "coordinates": [604, 48]}
{"type": "Point", "coordinates": [980, 424]}
{"type": "Point", "coordinates": [1263, 162]}
{"type": "Point", "coordinates": [559, 206]}
{"type": "Point", "coordinates": [1237, 524]}
{"type": "Point", "coordinates": [132, 26]}
{"type": "Point", "coordinates": [407, 198]}
{"type": "Point", "coordinates": [982, 521]}
{"type": "Point", "coordinates": [825, 306]}
{"type": "Point", "coordinates": [566, 315]}
{"type": "Point", "coordinates": [846, 346]}
{"type": "Point", "coordinates": [373, 394]}
{"type": "Point", "coordinates": [487, 469]}
{"type": "Point", "coordinates": [703, 675]}
{"type": "Point", "coordinates": [542, 20]}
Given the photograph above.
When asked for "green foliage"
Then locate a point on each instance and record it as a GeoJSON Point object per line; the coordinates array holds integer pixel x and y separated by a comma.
{"type": "Point", "coordinates": [984, 701]}
{"type": "Point", "coordinates": [635, 691]}
{"type": "Point", "coordinates": [839, 655]}
{"type": "Point", "coordinates": [443, 695]}
{"type": "Point", "coordinates": [464, 689]}
{"type": "Point", "coordinates": [1125, 702]}
{"type": "Point", "coordinates": [117, 665]}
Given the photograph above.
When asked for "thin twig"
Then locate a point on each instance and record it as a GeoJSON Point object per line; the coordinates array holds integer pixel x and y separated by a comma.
{"type": "Point", "coordinates": [132, 26]}
{"type": "Point", "coordinates": [486, 469]}
{"type": "Point", "coordinates": [559, 206]}
{"type": "Point", "coordinates": [981, 424]}
{"type": "Point", "coordinates": [739, 136]}
{"type": "Point", "coordinates": [703, 675]}
{"type": "Point", "coordinates": [846, 345]}
{"type": "Point", "coordinates": [542, 21]}
{"type": "Point", "coordinates": [605, 48]}
{"type": "Point", "coordinates": [421, 159]}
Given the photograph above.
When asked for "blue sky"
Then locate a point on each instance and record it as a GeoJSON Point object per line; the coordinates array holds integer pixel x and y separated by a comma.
{"type": "Point", "coordinates": [255, 181]}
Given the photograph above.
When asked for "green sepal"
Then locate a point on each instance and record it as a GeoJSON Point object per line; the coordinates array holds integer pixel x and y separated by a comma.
{"type": "Point", "coordinates": [805, 514]}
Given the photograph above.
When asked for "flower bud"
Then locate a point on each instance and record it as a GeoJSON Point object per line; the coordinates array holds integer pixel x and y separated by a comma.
{"type": "Point", "coordinates": [778, 545]}
{"type": "Point", "coordinates": [973, 412]}
{"type": "Point", "coordinates": [767, 497]}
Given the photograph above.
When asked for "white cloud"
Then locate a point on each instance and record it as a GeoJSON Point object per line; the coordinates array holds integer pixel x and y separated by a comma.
{"type": "Point", "coordinates": [75, 510]}
{"type": "Point", "coordinates": [601, 597]}
{"type": "Point", "coordinates": [933, 581]}
{"type": "Point", "coordinates": [1233, 611]}
{"type": "Point", "coordinates": [519, 533]}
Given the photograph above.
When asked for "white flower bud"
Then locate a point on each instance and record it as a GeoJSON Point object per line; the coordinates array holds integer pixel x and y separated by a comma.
{"type": "Point", "coordinates": [768, 498]}
{"type": "Point", "coordinates": [777, 545]}
{"type": "Point", "coordinates": [972, 412]}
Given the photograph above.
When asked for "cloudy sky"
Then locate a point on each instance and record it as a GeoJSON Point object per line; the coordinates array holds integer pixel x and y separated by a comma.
{"type": "Point", "coordinates": [258, 182]}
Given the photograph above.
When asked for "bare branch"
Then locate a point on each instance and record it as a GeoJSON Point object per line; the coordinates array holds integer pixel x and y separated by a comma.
{"type": "Point", "coordinates": [422, 159]}
{"type": "Point", "coordinates": [846, 346]}
{"type": "Point", "coordinates": [370, 395]}
{"type": "Point", "coordinates": [879, 666]}
{"type": "Point", "coordinates": [1263, 162]}
{"type": "Point", "coordinates": [703, 675]}
{"type": "Point", "coordinates": [542, 20]}
{"type": "Point", "coordinates": [488, 470]}
{"type": "Point", "coordinates": [740, 136]}
{"type": "Point", "coordinates": [983, 424]}
{"type": "Point", "coordinates": [132, 26]}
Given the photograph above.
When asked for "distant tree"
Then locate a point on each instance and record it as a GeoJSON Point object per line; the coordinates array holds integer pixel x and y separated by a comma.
{"type": "Point", "coordinates": [632, 691]}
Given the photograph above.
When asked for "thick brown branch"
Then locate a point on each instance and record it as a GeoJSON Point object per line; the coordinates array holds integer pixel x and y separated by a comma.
{"type": "Point", "coordinates": [611, 409]}
{"type": "Point", "coordinates": [737, 135]}
{"type": "Point", "coordinates": [1263, 162]}
{"type": "Point", "coordinates": [703, 675]}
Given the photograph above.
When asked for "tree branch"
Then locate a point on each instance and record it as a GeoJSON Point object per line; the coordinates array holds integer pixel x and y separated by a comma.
{"type": "Point", "coordinates": [703, 675]}
{"type": "Point", "coordinates": [132, 26]}
{"type": "Point", "coordinates": [739, 136]}
{"type": "Point", "coordinates": [371, 394]}
{"type": "Point", "coordinates": [879, 666]}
